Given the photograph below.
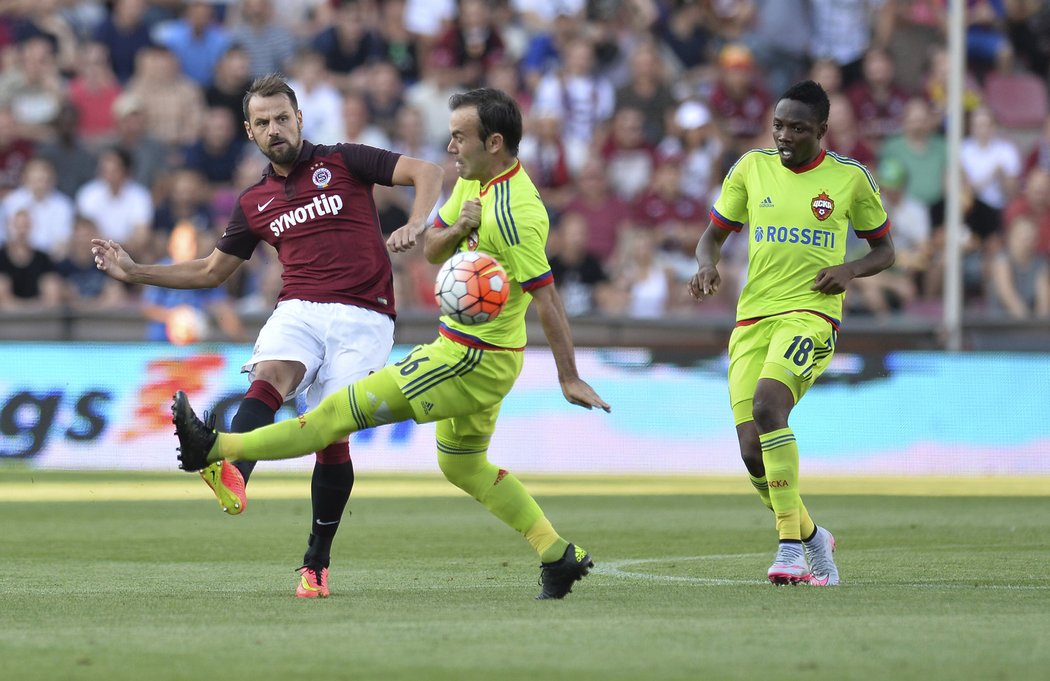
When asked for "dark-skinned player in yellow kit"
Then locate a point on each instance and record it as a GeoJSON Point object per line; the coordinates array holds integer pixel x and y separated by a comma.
{"type": "Point", "coordinates": [795, 202]}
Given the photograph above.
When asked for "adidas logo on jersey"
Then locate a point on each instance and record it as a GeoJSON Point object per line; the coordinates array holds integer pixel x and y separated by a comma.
{"type": "Point", "coordinates": [766, 203]}
{"type": "Point", "coordinates": [320, 205]}
{"type": "Point", "coordinates": [427, 406]}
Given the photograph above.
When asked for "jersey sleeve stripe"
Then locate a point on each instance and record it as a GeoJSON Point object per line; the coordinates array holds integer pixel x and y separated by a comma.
{"type": "Point", "coordinates": [439, 223]}
{"type": "Point", "coordinates": [846, 160]}
{"type": "Point", "coordinates": [881, 230]}
{"type": "Point", "coordinates": [725, 223]}
{"type": "Point", "coordinates": [538, 282]}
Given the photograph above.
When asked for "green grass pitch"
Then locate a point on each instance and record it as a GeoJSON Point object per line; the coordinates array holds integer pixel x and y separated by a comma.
{"type": "Point", "coordinates": [97, 586]}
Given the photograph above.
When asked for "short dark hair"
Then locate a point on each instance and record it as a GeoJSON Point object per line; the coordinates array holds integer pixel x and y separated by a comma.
{"type": "Point", "coordinates": [811, 94]}
{"type": "Point", "coordinates": [267, 86]}
{"type": "Point", "coordinates": [497, 112]}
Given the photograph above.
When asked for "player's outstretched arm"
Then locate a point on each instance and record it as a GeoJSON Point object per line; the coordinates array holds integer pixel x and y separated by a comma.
{"type": "Point", "coordinates": [425, 177]}
{"type": "Point", "coordinates": [209, 272]}
{"type": "Point", "coordinates": [708, 252]}
{"type": "Point", "coordinates": [559, 337]}
{"type": "Point", "coordinates": [833, 280]}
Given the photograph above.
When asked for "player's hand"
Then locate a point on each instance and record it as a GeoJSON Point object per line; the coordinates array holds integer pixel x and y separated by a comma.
{"type": "Point", "coordinates": [833, 280]}
{"type": "Point", "coordinates": [577, 392]}
{"type": "Point", "coordinates": [405, 238]}
{"type": "Point", "coordinates": [470, 216]}
{"type": "Point", "coordinates": [111, 258]}
{"type": "Point", "coordinates": [705, 282]}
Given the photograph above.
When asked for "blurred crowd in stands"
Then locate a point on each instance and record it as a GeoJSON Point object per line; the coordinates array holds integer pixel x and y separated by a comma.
{"type": "Point", "coordinates": [123, 120]}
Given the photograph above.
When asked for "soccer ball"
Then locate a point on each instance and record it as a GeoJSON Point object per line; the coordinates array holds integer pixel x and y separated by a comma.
{"type": "Point", "coordinates": [471, 287]}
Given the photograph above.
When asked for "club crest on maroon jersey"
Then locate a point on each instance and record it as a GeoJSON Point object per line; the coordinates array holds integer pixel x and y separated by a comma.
{"type": "Point", "coordinates": [322, 177]}
{"type": "Point", "coordinates": [822, 206]}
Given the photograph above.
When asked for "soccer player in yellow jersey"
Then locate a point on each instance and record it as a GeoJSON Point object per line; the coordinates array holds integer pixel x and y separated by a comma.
{"type": "Point", "coordinates": [460, 379]}
{"type": "Point", "coordinates": [794, 203]}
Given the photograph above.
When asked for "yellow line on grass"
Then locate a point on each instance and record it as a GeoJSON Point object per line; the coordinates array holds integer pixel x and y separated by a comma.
{"type": "Point", "coordinates": [293, 486]}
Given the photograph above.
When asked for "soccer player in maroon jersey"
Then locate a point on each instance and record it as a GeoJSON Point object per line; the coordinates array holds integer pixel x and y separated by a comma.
{"type": "Point", "coordinates": [333, 323]}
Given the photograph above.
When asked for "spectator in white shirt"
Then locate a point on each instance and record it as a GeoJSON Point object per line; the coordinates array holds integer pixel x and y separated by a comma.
{"type": "Point", "coordinates": [51, 211]}
{"type": "Point", "coordinates": [122, 208]}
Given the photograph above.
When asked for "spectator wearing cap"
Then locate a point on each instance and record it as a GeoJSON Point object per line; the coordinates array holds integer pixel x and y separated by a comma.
{"type": "Point", "coordinates": [739, 101]}
{"type": "Point", "coordinates": [694, 137]}
{"type": "Point", "coordinates": [648, 90]}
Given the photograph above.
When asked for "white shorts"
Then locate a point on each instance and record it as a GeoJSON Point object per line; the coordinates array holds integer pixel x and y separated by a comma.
{"type": "Point", "coordinates": [338, 344]}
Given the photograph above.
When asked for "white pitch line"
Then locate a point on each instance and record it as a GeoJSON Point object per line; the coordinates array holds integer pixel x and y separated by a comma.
{"type": "Point", "coordinates": [621, 568]}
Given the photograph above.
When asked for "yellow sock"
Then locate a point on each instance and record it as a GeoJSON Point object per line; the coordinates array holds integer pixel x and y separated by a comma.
{"type": "Point", "coordinates": [372, 401]}
{"type": "Point", "coordinates": [501, 493]}
{"type": "Point", "coordinates": [546, 541]}
{"type": "Point", "coordinates": [780, 456]}
{"type": "Point", "coordinates": [806, 523]}
{"type": "Point", "coordinates": [762, 487]}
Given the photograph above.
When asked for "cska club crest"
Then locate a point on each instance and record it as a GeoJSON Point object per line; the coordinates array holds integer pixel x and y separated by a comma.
{"type": "Point", "coordinates": [822, 206]}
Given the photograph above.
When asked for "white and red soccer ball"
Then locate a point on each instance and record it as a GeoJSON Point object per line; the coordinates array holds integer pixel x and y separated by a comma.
{"type": "Point", "coordinates": [471, 287]}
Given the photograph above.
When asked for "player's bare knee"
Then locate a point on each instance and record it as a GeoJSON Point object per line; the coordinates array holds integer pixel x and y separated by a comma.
{"type": "Point", "coordinates": [767, 415]}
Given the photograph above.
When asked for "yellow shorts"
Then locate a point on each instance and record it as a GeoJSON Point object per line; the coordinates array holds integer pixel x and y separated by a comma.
{"type": "Point", "coordinates": [793, 348]}
{"type": "Point", "coordinates": [459, 386]}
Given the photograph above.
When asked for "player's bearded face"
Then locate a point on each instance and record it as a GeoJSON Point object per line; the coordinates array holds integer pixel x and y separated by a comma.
{"type": "Point", "coordinates": [796, 133]}
{"type": "Point", "coordinates": [276, 129]}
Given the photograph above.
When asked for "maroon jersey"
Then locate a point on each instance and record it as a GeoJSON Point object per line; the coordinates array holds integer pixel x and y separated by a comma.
{"type": "Point", "coordinates": [322, 221]}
